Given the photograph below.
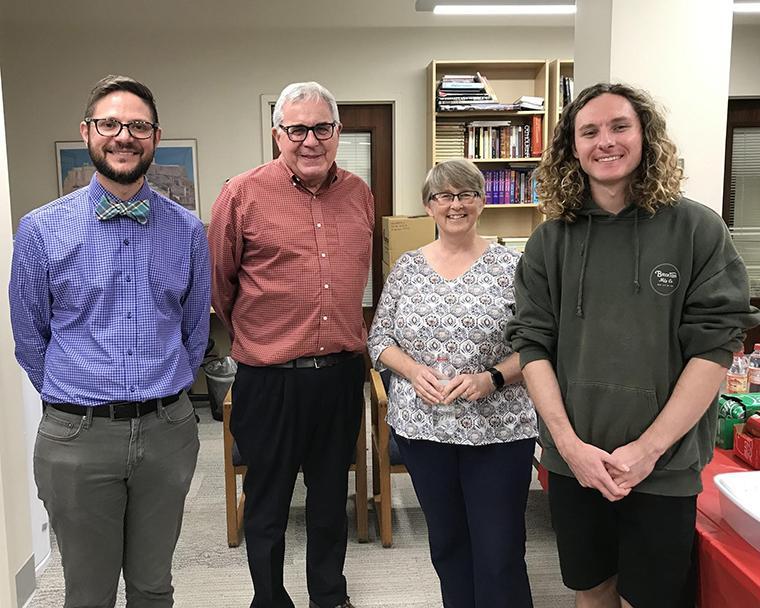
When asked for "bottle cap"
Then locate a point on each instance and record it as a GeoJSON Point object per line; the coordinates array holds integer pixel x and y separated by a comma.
{"type": "Point", "coordinates": [757, 346]}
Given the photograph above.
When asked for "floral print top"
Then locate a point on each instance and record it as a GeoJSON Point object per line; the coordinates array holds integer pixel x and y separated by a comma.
{"type": "Point", "coordinates": [464, 319]}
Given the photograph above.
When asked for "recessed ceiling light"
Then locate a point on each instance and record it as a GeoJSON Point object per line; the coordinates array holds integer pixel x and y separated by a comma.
{"type": "Point", "coordinates": [747, 7]}
{"type": "Point", "coordinates": [504, 9]}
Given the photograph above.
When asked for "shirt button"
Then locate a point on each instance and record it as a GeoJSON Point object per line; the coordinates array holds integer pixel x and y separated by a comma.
{"type": "Point", "coordinates": [129, 278]}
{"type": "Point", "coordinates": [324, 255]}
{"type": "Point", "coordinates": [327, 286]}
{"type": "Point", "coordinates": [126, 241]}
{"type": "Point", "coordinates": [132, 389]}
{"type": "Point", "coordinates": [319, 225]}
{"type": "Point", "coordinates": [129, 352]}
{"type": "Point", "coordinates": [321, 348]}
{"type": "Point", "coordinates": [324, 318]}
{"type": "Point", "coordinates": [129, 315]}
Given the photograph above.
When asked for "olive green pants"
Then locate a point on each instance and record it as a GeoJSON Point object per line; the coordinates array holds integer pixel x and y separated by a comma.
{"type": "Point", "coordinates": [115, 491]}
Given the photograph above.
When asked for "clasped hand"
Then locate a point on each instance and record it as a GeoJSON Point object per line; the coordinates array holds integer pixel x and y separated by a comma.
{"type": "Point", "coordinates": [426, 383]}
{"type": "Point", "coordinates": [615, 474]}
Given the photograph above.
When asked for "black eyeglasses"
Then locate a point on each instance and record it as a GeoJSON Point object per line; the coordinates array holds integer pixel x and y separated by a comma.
{"type": "Point", "coordinates": [444, 198]}
{"type": "Point", "coordinates": [110, 127]}
{"type": "Point", "coordinates": [322, 131]}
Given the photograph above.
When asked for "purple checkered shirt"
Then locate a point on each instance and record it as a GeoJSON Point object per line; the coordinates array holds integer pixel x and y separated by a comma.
{"type": "Point", "coordinates": [109, 310]}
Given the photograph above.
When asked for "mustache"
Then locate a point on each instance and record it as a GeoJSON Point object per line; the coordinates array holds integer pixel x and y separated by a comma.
{"type": "Point", "coordinates": [124, 148]}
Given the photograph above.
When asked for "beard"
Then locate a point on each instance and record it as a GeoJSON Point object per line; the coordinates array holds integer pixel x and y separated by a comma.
{"type": "Point", "coordinates": [120, 177]}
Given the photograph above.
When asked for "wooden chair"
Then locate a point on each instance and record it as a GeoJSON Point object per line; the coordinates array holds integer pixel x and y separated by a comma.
{"type": "Point", "coordinates": [234, 467]}
{"type": "Point", "coordinates": [386, 458]}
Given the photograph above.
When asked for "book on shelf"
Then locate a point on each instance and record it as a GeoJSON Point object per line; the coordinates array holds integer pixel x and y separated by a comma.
{"type": "Point", "coordinates": [457, 85]}
{"type": "Point", "coordinates": [509, 186]}
{"type": "Point", "coordinates": [566, 90]}
{"type": "Point", "coordinates": [537, 136]}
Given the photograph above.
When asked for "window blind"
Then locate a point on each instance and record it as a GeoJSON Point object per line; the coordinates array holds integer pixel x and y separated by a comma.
{"type": "Point", "coordinates": [355, 155]}
{"type": "Point", "coordinates": [744, 201]}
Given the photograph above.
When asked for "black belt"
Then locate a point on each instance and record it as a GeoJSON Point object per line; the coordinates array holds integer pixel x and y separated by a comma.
{"type": "Point", "coordinates": [116, 409]}
{"type": "Point", "coordinates": [318, 361]}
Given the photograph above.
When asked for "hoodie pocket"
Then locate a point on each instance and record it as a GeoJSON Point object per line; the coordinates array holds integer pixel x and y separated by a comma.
{"type": "Point", "coordinates": [609, 415]}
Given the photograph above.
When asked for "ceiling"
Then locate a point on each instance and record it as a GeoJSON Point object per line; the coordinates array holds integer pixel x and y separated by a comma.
{"type": "Point", "coordinates": [256, 14]}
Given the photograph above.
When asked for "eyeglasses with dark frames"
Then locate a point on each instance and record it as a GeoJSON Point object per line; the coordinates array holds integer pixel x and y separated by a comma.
{"type": "Point", "coordinates": [465, 197]}
{"type": "Point", "coordinates": [299, 133]}
{"type": "Point", "coordinates": [110, 127]}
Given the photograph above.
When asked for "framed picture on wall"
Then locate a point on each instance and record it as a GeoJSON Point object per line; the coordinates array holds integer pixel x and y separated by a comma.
{"type": "Point", "coordinates": [174, 172]}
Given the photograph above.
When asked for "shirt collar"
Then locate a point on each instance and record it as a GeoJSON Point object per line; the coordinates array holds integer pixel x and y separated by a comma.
{"type": "Point", "coordinates": [332, 176]}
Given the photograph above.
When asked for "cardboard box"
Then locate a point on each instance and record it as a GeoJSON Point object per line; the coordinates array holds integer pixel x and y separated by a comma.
{"type": "Point", "coordinates": [403, 233]}
{"type": "Point", "coordinates": [747, 447]}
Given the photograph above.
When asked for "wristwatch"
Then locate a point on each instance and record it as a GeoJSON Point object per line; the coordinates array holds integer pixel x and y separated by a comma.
{"type": "Point", "coordinates": [496, 377]}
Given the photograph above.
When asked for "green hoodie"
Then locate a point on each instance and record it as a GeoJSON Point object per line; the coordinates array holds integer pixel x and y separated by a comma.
{"type": "Point", "coordinates": [619, 304]}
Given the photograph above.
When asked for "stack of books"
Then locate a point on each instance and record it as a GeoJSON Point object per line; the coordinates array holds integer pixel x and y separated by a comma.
{"type": "Point", "coordinates": [463, 92]}
{"type": "Point", "coordinates": [449, 140]}
{"type": "Point", "coordinates": [529, 102]}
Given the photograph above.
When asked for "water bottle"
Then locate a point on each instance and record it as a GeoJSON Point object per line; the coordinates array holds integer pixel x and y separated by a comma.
{"type": "Point", "coordinates": [754, 370]}
{"type": "Point", "coordinates": [444, 416]}
{"type": "Point", "coordinates": [737, 378]}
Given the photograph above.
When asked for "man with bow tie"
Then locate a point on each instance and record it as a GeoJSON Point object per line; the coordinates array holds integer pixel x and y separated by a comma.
{"type": "Point", "coordinates": [110, 309]}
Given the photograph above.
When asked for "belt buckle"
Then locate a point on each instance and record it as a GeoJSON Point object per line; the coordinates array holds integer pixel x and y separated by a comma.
{"type": "Point", "coordinates": [316, 363]}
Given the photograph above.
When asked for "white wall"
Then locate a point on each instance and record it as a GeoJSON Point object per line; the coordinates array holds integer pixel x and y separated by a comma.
{"type": "Point", "coordinates": [15, 526]}
{"type": "Point", "coordinates": [208, 87]}
{"type": "Point", "coordinates": [745, 62]}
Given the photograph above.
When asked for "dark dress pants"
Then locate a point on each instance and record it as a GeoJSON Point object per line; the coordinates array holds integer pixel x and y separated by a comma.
{"type": "Point", "coordinates": [474, 500]}
{"type": "Point", "coordinates": [283, 420]}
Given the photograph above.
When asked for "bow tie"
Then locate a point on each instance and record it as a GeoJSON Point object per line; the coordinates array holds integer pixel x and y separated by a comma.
{"type": "Point", "coordinates": [137, 210]}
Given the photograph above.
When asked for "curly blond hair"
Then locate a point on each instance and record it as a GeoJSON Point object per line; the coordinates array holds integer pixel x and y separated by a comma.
{"type": "Point", "coordinates": [562, 185]}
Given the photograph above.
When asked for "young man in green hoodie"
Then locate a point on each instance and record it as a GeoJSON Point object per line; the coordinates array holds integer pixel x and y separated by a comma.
{"type": "Point", "coordinates": [630, 302]}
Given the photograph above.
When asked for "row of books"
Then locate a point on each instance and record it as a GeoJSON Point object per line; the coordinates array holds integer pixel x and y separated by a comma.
{"type": "Point", "coordinates": [566, 89]}
{"type": "Point", "coordinates": [489, 139]}
{"type": "Point", "coordinates": [511, 186]}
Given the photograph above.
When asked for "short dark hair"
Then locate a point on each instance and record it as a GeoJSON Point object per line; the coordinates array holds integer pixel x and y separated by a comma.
{"type": "Point", "coordinates": [111, 84]}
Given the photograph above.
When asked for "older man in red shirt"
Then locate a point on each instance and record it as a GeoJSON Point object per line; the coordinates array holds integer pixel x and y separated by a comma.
{"type": "Point", "coordinates": [290, 246]}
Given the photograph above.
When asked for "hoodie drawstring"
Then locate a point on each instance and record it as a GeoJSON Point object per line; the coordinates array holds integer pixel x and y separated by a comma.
{"type": "Point", "coordinates": [584, 255]}
{"type": "Point", "coordinates": [636, 284]}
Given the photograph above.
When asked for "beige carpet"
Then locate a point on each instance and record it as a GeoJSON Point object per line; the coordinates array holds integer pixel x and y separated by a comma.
{"type": "Point", "coordinates": [209, 574]}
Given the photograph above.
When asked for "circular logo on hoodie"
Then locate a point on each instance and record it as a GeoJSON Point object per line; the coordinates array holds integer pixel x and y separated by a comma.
{"type": "Point", "coordinates": [665, 279]}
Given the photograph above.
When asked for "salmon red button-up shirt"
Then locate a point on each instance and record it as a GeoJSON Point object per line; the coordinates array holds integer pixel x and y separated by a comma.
{"type": "Point", "coordinates": [289, 267]}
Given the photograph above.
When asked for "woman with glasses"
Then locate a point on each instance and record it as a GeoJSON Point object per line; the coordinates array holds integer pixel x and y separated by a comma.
{"type": "Point", "coordinates": [457, 407]}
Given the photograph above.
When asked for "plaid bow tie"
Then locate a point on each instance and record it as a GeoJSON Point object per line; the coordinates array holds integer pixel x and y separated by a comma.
{"type": "Point", "coordinates": [137, 210]}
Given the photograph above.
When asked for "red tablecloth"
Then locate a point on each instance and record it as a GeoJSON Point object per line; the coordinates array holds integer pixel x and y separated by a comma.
{"type": "Point", "coordinates": [729, 567]}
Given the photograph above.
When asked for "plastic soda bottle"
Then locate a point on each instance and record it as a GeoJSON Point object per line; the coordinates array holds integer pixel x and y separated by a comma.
{"type": "Point", "coordinates": [737, 377]}
{"type": "Point", "coordinates": [444, 416]}
{"type": "Point", "coordinates": [754, 370]}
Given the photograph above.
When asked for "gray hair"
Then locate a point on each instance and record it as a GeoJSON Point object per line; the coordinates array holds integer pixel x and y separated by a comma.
{"type": "Point", "coordinates": [458, 173]}
{"type": "Point", "coordinates": [300, 91]}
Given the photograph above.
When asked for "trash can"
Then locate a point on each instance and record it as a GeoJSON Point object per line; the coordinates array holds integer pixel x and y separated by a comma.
{"type": "Point", "coordinates": [220, 374]}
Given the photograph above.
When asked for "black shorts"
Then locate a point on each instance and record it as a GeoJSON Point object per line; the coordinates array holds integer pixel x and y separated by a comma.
{"type": "Point", "coordinates": [644, 539]}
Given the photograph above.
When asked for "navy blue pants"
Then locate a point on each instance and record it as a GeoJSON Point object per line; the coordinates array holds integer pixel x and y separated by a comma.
{"type": "Point", "coordinates": [474, 500]}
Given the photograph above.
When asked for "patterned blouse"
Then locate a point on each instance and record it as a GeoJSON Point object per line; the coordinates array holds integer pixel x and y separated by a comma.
{"type": "Point", "coordinates": [465, 319]}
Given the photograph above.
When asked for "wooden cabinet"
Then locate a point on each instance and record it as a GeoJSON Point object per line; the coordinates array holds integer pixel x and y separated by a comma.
{"type": "Point", "coordinates": [508, 214]}
{"type": "Point", "coordinates": [560, 91]}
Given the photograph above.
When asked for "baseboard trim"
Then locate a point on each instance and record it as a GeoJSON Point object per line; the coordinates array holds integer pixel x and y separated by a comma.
{"type": "Point", "coordinates": [26, 582]}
